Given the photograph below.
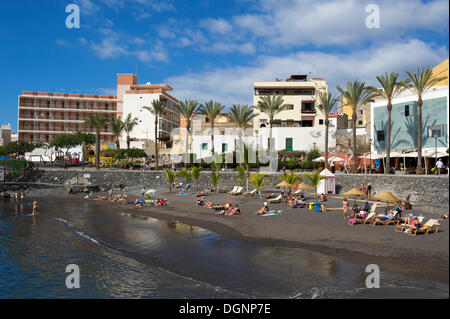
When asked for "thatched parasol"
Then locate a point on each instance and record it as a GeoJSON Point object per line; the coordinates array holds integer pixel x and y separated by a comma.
{"type": "Point", "coordinates": [387, 196]}
{"type": "Point", "coordinates": [303, 186]}
{"type": "Point", "coordinates": [354, 192]}
{"type": "Point", "coordinates": [284, 184]}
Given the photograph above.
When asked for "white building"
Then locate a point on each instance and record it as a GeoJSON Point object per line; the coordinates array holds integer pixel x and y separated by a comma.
{"type": "Point", "coordinates": [131, 97]}
{"type": "Point", "coordinates": [302, 125]}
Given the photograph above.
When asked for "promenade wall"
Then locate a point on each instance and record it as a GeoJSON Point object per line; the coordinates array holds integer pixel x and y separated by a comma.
{"type": "Point", "coordinates": [425, 189]}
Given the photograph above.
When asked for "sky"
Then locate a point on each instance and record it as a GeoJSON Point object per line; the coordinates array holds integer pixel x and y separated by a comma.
{"type": "Point", "coordinates": [212, 49]}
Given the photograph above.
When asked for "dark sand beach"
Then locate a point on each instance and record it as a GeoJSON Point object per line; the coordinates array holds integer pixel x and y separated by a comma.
{"type": "Point", "coordinates": [423, 256]}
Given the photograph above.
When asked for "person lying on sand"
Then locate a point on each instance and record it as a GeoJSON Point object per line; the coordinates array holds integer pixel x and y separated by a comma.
{"type": "Point", "coordinates": [99, 197]}
{"type": "Point", "coordinates": [201, 194]}
{"type": "Point", "coordinates": [226, 211]}
{"type": "Point", "coordinates": [269, 195]}
{"type": "Point", "coordinates": [264, 209]}
{"type": "Point", "coordinates": [235, 211]}
{"type": "Point", "coordinates": [200, 201]}
{"type": "Point", "coordinates": [209, 204]}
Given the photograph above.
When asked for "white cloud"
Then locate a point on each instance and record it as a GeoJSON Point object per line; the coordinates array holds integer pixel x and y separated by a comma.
{"type": "Point", "coordinates": [213, 25]}
{"type": "Point", "coordinates": [235, 84]}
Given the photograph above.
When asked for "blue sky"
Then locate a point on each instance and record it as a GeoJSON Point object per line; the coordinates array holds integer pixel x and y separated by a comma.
{"type": "Point", "coordinates": [211, 49]}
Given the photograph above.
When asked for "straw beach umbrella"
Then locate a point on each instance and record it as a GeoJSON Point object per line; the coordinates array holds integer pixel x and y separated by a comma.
{"type": "Point", "coordinates": [387, 197]}
{"type": "Point", "coordinates": [284, 184]}
{"type": "Point", "coordinates": [303, 186]}
{"type": "Point", "coordinates": [355, 192]}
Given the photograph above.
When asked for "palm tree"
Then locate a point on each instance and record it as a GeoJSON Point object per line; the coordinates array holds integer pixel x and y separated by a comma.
{"type": "Point", "coordinates": [195, 172]}
{"type": "Point", "coordinates": [211, 110]}
{"type": "Point", "coordinates": [325, 103]}
{"type": "Point", "coordinates": [128, 126]}
{"type": "Point", "coordinates": [97, 122]}
{"type": "Point", "coordinates": [117, 128]}
{"type": "Point", "coordinates": [391, 88]}
{"type": "Point", "coordinates": [271, 105]}
{"type": "Point", "coordinates": [186, 175]}
{"type": "Point", "coordinates": [157, 108]}
{"type": "Point", "coordinates": [241, 174]}
{"type": "Point", "coordinates": [421, 82]}
{"type": "Point", "coordinates": [290, 178]}
{"type": "Point", "coordinates": [356, 95]}
{"type": "Point", "coordinates": [314, 178]}
{"type": "Point", "coordinates": [187, 109]}
{"type": "Point", "coordinates": [170, 177]}
{"type": "Point", "coordinates": [259, 180]}
{"type": "Point", "coordinates": [240, 115]}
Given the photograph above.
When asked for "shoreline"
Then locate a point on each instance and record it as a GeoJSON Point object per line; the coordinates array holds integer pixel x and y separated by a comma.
{"type": "Point", "coordinates": [425, 265]}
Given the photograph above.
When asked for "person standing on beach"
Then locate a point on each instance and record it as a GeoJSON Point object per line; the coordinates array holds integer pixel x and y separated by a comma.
{"type": "Point", "coordinates": [345, 206]}
{"type": "Point", "coordinates": [369, 190]}
{"type": "Point", "coordinates": [35, 208]}
{"type": "Point", "coordinates": [110, 194]}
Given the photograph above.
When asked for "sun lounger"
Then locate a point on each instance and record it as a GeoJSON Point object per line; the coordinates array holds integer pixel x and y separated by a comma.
{"type": "Point", "coordinates": [275, 200]}
{"type": "Point", "coordinates": [373, 208]}
{"type": "Point", "coordinates": [400, 227]}
{"type": "Point", "coordinates": [233, 190]}
{"type": "Point", "coordinates": [378, 221]}
{"type": "Point", "coordinates": [354, 221]}
{"type": "Point", "coordinates": [239, 191]}
{"type": "Point", "coordinates": [430, 225]}
{"type": "Point", "coordinates": [253, 192]}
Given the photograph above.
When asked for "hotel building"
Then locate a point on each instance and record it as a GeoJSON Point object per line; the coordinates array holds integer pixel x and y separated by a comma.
{"type": "Point", "coordinates": [44, 116]}
{"type": "Point", "coordinates": [301, 126]}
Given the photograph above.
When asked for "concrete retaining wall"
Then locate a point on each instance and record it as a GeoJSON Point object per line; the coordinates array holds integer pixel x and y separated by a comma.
{"type": "Point", "coordinates": [431, 190]}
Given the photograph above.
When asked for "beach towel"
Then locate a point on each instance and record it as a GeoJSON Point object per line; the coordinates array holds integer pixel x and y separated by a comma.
{"type": "Point", "coordinates": [182, 194]}
{"type": "Point", "coordinates": [273, 213]}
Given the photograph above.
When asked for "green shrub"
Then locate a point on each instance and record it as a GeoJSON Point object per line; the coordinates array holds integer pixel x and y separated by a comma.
{"type": "Point", "coordinates": [308, 164]}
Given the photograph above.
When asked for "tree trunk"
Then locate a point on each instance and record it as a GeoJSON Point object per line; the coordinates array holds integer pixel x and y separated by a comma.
{"type": "Point", "coordinates": [270, 147]}
{"type": "Point", "coordinates": [419, 137]}
{"type": "Point", "coordinates": [354, 170]}
{"type": "Point", "coordinates": [128, 142]}
{"type": "Point", "coordinates": [97, 150]}
{"type": "Point", "coordinates": [117, 143]}
{"type": "Point", "coordinates": [212, 138]}
{"type": "Point", "coordinates": [188, 155]}
{"type": "Point", "coordinates": [387, 169]}
{"type": "Point", "coordinates": [327, 123]}
{"type": "Point", "coordinates": [156, 143]}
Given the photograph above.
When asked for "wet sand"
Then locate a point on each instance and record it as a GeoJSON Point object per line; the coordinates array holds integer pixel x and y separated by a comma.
{"type": "Point", "coordinates": [421, 257]}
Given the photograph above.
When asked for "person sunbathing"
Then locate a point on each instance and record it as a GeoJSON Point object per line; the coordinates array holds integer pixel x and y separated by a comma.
{"type": "Point", "coordinates": [383, 217]}
{"type": "Point", "coordinates": [209, 204]}
{"type": "Point", "coordinates": [323, 198]}
{"type": "Point", "coordinates": [100, 198]}
{"type": "Point", "coordinates": [201, 194]}
{"type": "Point", "coordinates": [200, 201]}
{"type": "Point", "coordinates": [226, 211]}
{"type": "Point", "coordinates": [235, 211]}
{"type": "Point", "coordinates": [269, 195]}
{"type": "Point", "coordinates": [263, 210]}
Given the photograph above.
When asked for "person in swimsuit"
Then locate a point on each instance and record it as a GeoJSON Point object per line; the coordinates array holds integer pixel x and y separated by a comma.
{"type": "Point", "coordinates": [35, 208]}
{"type": "Point", "coordinates": [345, 206]}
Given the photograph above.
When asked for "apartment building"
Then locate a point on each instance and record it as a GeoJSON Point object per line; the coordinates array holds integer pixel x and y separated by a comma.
{"type": "Point", "coordinates": [44, 116]}
{"type": "Point", "coordinates": [132, 97]}
{"type": "Point", "coordinates": [5, 134]}
{"type": "Point", "coordinates": [302, 125]}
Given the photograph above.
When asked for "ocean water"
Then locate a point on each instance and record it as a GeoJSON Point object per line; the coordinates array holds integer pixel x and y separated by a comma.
{"type": "Point", "coordinates": [124, 256]}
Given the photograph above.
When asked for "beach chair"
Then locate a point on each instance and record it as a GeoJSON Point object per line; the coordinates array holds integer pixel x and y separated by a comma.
{"type": "Point", "coordinates": [252, 193]}
{"type": "Point", "coordinates": [275, 200]}
{"type": "Point", "coordinates": [233, 190]}
{"type": "Point", "coordinates": [377, 221]}
{"type": "Point", "coordinates": [400, 227]}
{"type": "Point", "coordinates": [430, 225]}
{"type": "Point", "coordinates": [239, 191]}
{"type": "Point", "coordinates": [373, 208]}
{"type": "Point", "coordinates": [395, 220]}
{"type": "Point", "coordinates": [354, 221]}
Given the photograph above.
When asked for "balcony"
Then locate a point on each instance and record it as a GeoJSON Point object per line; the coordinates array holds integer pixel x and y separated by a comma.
{"type": "Point", "coordinates": [308, 110]}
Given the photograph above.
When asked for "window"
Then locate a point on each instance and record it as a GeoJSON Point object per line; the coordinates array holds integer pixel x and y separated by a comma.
{"type": "Point", "coordinates": [288, 146]}
{"type": "Point", "coordinates": [204, 146]}
{"type": "Point", "coordinates": [306, 123]}
{"type": "Point", "coordinates": [380, 136]}
{"type": "Point", "coordinates": [360, 122]}
{"type": "Point", "coordinates": [360, 112]}
{"type": "Point", "coordinates": [406, 110]}
{"type": "Point", "coordinates": [434, 130]}
{"type": "Point", "coordinates": [320, 122]}
{"type": "Point", "coordinates": [224, 147]}
{"type": "Point", "coordinates": [290, 107]}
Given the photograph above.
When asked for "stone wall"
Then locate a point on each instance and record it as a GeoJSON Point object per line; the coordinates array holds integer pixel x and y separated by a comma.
{"type": "Point", "coordinates": [427, 189]}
